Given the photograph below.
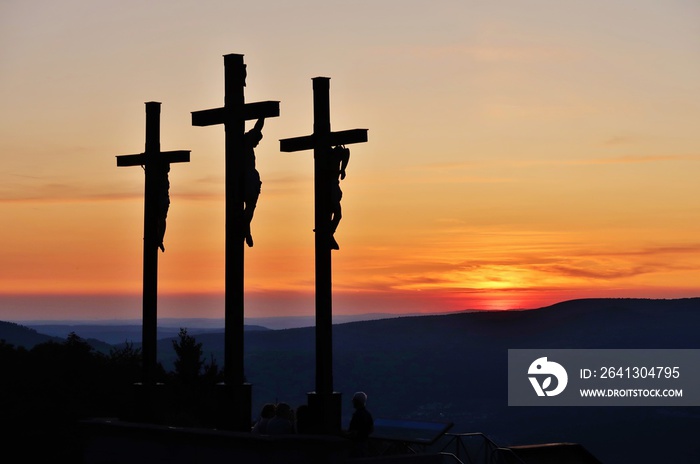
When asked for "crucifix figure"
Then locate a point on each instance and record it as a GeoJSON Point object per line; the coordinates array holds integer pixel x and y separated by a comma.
{"type": "Point", "coordinates": [156, 165]}
{"type": "Point", "coordinates": [251, 179]}
{"type": "Point", "coordinates": [163, 203]}
{"type": "Point", "coordinates": [339, 158]}
{"type": "Point", "coordinates": [330, 160]}
{"type": "Point", "coordinates": [242, 190]}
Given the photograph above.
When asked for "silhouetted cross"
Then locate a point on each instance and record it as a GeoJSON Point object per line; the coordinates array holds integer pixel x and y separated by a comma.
{"type": "Point", "coordinates": [156, 201]}
{"type": "Point", "coordinates": [233, 115]}
{"type": "Point", "coordinates": [321, 141]}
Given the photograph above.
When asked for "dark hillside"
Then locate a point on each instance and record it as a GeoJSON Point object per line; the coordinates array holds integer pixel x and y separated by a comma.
{"type": "Point", "coordinates": [455, 367]}
{"type": "Point", "coordinates": [19, 335]}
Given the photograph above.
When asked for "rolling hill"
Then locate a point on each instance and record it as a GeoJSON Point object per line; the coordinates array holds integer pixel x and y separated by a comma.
{"type": "Point", "coordinates": [19, 335]}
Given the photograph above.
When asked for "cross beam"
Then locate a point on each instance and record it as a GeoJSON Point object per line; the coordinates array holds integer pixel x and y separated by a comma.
{"type": "Point", "coordinates": [321, 141]}
{"type": "Point", "coordinates": [233, 115]}
{"type": "Point", "coordinates": [266, 109]}
{"type": "Point", "coordinates": [308, 142]}
{"type": "Point", "coordinates": [156, 165]}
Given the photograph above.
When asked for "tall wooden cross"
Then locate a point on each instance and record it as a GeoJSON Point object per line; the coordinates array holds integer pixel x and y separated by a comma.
{"type": "Point", "coordinates": [233, 116]}
{"type": "Point", "coordinates": [156, 165]}
{"type": "Point", "coordinates": [324, 402]}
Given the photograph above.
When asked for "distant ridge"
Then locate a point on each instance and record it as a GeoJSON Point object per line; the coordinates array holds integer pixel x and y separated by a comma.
{"type": "Point", "coordinates": [252, 323]}
{"type": "Point", "coordinates": [639, 303]}
{"type": "Point", "coordinates": [116, 332]}
{"type": "Point", "coordinates": [19, 335]}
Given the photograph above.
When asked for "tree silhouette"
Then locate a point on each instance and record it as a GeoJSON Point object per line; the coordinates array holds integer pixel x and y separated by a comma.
{"type": "Point", "coordinates": [189, 362]}
{"type": "Point", "coordinates": [46, 391]}
{"type": "Point", "coordinates": [125, 364]}
{"type": "Point", "coordinates": [212, 373]}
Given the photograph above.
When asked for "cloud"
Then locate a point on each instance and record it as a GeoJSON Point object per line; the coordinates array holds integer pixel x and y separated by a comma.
{"type": "Point", "coordinates": [287, 184]}
{"type": "Point", "coordinates": [624, 159]}
{"type": "Point", "coordinates": [445, 173]}
{"type": "Point", "coordinates": [620, 140]}
{"type": "Point", "coordinates": [636, 159]}
{"type": "Point", "coordinates": [80, 192]}
{"type": "Point", "coordinates": [218, 180]}
{"type": "Point", "coordinates": [497, 265]}
{"type": "Point", "coordinates": [54, 193]}
{"type": "Point", "coordinates": [489, 53]}
{"type": "Point", "coordinates": [691, 249]}
{"type": "Point", "coordinates": [596, 273]}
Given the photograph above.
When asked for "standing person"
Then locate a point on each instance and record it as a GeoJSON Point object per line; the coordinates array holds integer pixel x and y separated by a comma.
{"type": "Point", "coordinates": [361, 426]}
{"type": "Point", "coordinates": [302, 419]}
{"type": "Point", "coordinates": [251, 177]}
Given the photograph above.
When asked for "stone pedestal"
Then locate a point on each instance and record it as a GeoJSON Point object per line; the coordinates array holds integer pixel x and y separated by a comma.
{"type": "Point", "coordinates": [234, 404]}
{"type": "Point", "coordinates": [325, 412]}
{"type": "Point", "coordinates": [149, 403]}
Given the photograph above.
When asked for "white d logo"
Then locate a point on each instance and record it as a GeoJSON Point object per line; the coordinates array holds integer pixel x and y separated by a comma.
{"type": "Point", "coordinates": [541, 367]}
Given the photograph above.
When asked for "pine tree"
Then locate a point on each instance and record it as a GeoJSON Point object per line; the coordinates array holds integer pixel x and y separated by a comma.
{"type": "Point", "coordinates": [189, 362]}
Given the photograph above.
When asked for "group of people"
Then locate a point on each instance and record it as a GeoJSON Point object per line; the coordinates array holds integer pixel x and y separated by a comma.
{"type": "Point", "coordinates": [281, 419]}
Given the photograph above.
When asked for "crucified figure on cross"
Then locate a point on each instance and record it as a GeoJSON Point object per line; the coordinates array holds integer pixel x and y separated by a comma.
{"type": "Point", "coordinates": [339, 158]}
{"type": "Point", "coordinates": [251, 179]}
{"type": "Point", "coordinates": [163, 203]}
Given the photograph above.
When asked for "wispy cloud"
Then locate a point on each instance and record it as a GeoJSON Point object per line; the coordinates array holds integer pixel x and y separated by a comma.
{"type": "Point", "coordinates": [42, 190]}
{"type": "Point", "coordinates": [602, 160]}
{"type": "Point", "coordinates": [636, 159]}
{"type": "Point", "coordinates": [447, 173]}
{"type": "Point", "coordinates": [597, 273]}
{"type": "Point", "coordinates": [481, 53]}
{"type": "Point", "coordinates": [60, 193]}
{"type": "Point", "coordinates": [507, 261]}
{"type": "Point", "coordinates": [620, 140]}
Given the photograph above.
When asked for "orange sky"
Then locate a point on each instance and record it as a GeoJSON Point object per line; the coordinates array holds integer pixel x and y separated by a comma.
{"type": "Point", "coordinates": [519, 154]}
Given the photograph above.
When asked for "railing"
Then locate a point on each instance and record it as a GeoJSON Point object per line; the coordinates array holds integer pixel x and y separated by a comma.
{"type": "Point", "coordinates": [506, 456]}
{"type": "Point", "coordinates": [476, 448]}
{"type": "Point", "coordinates": [455, 448]}
{"type": "Point", "coordinates": [452, 457]}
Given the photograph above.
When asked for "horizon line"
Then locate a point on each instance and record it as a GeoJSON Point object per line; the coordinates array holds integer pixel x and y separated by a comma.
{"type": "Point", "coordinates": [358, 316]}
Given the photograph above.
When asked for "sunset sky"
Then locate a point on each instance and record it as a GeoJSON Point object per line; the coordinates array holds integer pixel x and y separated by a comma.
{"type": "Point", "coordinates": [520, 152]}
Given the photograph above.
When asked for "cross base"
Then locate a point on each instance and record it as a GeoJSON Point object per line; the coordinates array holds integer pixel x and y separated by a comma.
{"type": "Point", "coordinates": [148, 402]}
{"type": "Point", "coordinates": [234, 407]}
{"type": "Point", "coordinates": [324, 412]}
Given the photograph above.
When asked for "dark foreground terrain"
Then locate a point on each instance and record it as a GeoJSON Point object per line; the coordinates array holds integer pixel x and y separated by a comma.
{"type": "Point", "coordinates": [449, 367]}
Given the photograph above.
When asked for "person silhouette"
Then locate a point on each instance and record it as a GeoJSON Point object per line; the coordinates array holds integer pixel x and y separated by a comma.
{"type": "Point", "coordinates": [266, 414]}
{"type": "Point", "coordinates": [283, 421]}
{"type": "Point", "coordinates": [339, 158]}
{"type": "Point", "coordinates": [251, 177]}
{"type": "Point", "coordinates": [361, 426]}
{"type": "Point", "coordinates": [302, 419]}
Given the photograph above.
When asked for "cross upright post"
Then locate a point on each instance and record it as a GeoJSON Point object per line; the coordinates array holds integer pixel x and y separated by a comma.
{"type": "Point", "coordinates": [324, 402]}
{"type": "Point", "coordinates": [156, 165]}
{"type": "Point", "coordinates": [233, 116]}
